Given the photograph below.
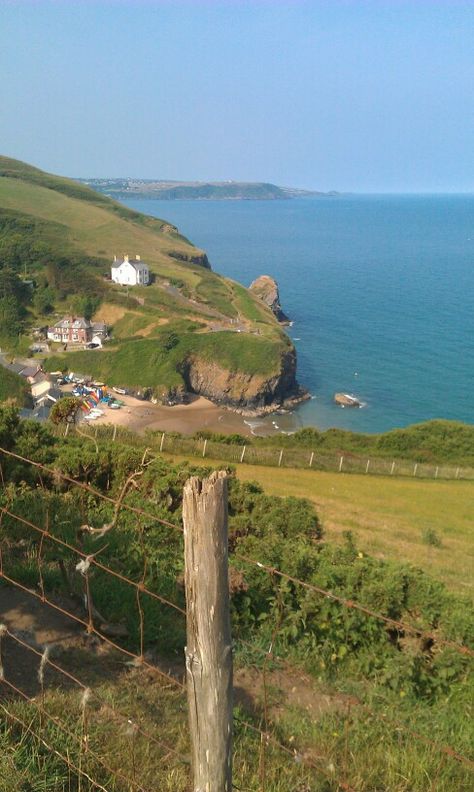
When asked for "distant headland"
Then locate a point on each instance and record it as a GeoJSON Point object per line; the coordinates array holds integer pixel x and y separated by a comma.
{"type": "Point", "coordinates": [197, 191]}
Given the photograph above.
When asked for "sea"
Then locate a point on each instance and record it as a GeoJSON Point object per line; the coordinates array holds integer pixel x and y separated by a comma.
{"type": "Point", "coordinates": [379, 288]}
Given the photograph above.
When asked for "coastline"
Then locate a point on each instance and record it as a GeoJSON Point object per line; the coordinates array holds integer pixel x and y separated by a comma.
{"type": "Point", "coordinates": [200, 413]}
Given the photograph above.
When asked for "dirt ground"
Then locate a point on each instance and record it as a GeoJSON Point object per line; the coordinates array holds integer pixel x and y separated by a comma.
{"type": "Point", "coordinates": [92, 661]}
{"type": "Point", "coordinates": [139, 416]}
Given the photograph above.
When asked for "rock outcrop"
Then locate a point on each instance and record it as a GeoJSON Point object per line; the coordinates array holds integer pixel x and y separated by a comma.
{"type": "Point", "coordinates": [248, 394]}
{"type": "Point", "coordinates": [266, 288]}
{"type": "Point", "coordinates": [200, 259]}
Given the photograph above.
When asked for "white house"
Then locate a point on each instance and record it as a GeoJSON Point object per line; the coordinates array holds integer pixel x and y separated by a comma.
{"type": "Point", "coordinates": [130, 273]}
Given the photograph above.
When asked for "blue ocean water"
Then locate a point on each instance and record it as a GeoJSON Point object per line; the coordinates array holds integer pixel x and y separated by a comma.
{"type": "Point", "coordinates": [380, 290]}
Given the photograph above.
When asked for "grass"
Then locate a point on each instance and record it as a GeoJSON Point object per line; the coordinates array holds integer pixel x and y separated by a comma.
{"type": "Point", "coordinates": [86, 229]}
{"type": "Point", "coordinates": [13, 387]}
{"type": "Point", "coordinates": [146, 362]}
{"type": "Point", "coordinates": [388, 517]}
{"type": "Point", "coordinates": [437, 441]}
{"type": "Point", "coordinates": [249, 306]}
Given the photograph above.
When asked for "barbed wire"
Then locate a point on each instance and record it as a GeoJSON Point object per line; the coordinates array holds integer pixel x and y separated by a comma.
{"type": "Point", "coordinates": [90, 559]}
{"type": "Point", "coordinates": [352, 604]}
{"type": "Point", "coordinates": [348, 603]}
{"type": "Point", "coordinates": [80, 738]}
{"type": "Point", "coordinates": [83, 686]}
{"type": "Point", "coordinates": [28, 728]}
{"type": "Point", "coordinates": [139, 659]}
{"type": "Point", "coordinates": [446, 749]}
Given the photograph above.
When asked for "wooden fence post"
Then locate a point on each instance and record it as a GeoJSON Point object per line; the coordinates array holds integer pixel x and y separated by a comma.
{"type": "Point", "coordinates": [204, 449]}
{"type": "Point", "coordinates": [162, 442]}
{"type": "Point", "coordinates": [340, 463]}
{"type": "Point", "coordinates": [243, 454]}
{"type": "Point", "coordinates": [208, 640]}
{"type": "Point", "coordinates": [280, 458]}
{"type": "Point", "coordinates": [114, 433]}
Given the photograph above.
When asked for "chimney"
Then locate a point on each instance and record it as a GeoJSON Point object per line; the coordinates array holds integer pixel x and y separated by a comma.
{"type": "Point", "coordinates": [137, 257]}
{"type": "Point", "coordinates": [125, 257]}
{"type": "Point", "coordinates": [115, 258]}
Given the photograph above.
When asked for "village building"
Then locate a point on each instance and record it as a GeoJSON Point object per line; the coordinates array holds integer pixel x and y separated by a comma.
{"type": "Point", "coordinates": [71, 330]}
{"type": "Point", "coordinates": [130, 273]}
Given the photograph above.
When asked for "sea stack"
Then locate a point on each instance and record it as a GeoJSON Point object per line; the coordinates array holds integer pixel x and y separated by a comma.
{"type": "Point", "coordinates": [266, 288]}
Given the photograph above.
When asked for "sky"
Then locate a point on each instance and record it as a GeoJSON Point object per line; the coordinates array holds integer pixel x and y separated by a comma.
{"type": "Point", "coordinates": [360, 96]}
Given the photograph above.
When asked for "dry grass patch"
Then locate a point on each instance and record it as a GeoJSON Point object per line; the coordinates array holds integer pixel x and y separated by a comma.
{"type": "Point", "coordinates": [388, 516]}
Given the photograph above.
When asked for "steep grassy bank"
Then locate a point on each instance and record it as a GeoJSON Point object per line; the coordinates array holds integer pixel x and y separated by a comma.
{"type": "Point", "coordinates": [380, 685]}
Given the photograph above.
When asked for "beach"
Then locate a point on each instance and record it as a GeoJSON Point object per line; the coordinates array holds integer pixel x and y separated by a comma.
{"type": "Point", "coordinates": [200, 413]}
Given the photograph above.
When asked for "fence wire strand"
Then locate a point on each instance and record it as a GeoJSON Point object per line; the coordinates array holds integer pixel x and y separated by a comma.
{"type": "Point", "coordinates": [139, 660]}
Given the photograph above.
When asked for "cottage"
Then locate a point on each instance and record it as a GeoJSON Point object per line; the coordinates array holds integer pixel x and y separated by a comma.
{"type": "Point", "coordinates": [71, 330]}
{"type": "Point", "coordinates": [130, 273]}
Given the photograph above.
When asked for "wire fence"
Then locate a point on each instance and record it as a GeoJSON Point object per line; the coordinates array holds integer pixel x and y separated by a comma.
{"type": "Point", "coordinates": [272, 456]}
{"type": "Point", "coordinates": [104, 738]}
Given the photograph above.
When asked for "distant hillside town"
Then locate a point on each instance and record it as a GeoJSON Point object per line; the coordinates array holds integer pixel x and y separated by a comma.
{"type": "Point", "coordinates": [198, 191]}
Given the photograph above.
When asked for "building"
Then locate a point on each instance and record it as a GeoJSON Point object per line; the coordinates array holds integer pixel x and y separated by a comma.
{"type": "Point", "coordinates": [130, 273]}
{"type": "Point", "coordinates": [71, 330]}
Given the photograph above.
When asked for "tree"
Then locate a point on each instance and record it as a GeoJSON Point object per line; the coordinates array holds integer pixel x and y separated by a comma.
{"type": "Point", "coordinates": [65, 410]}
{"type": "Point", "coordinates": [43, 300]}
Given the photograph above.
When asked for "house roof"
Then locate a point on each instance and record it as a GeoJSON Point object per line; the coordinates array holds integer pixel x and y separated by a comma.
{"type": "Point", "coordinates": [137, 264]}
{"type": "Point", "coordinates": [29, 371]}
{"type": "Point", "coordinates": [38, 414]}
{"type": "Point", "coordinates": [70, 323]}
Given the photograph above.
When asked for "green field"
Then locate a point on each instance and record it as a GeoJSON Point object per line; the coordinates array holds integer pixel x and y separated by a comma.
{"type": "Point", "coordinates": [390, 518]}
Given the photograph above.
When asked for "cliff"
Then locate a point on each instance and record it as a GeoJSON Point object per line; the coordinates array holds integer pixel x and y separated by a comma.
{"type": "Point", "coordinates": [266, 288]}
{"type": "Point", "coordinates": [248, 394]}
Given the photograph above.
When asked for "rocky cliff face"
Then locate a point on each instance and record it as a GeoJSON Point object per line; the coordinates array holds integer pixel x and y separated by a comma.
{"type": "Point", "coordinates": [249, 394]}
{"type": "Point", "coordinates": [266, 288]}
{"type": "Point", "coordinates": [191, 258]}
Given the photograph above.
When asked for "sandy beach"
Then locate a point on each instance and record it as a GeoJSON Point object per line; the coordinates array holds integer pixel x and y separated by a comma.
{"type": "Point", "coordinates": [139, 416]}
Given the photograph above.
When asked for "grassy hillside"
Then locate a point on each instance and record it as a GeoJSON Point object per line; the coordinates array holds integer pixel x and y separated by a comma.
{"type": "Point", "coordinates": [438, 441]}
{"type": "Point", "coordinates": [13, 387]}
{"type": "Point", "coordinates": [370, 707]}
{"type": "Point", "coordinates": [64, 235]}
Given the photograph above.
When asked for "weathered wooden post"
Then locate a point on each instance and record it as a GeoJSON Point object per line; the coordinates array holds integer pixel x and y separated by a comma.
{"type": "Point", "coordinates": [208, 650]}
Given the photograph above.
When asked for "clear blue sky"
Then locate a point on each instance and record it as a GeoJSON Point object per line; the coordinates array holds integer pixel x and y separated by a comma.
{"type": "Point", "coordinates": [368, 95]}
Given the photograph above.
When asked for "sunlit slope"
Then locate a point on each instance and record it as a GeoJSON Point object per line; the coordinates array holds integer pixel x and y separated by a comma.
{"type": "Point", "coordinates": [100, 227]}
{"type": "Point", "coordinates": [185, 308]}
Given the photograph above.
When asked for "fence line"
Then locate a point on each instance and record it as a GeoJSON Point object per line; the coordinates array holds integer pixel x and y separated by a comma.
{"type": "Point", "coordinates": [348, 603]}
{"type": "Point", "coordinates": [273, 456]}
{"type": "Point", "coordinates": [93, 693]}
{"type": "Point", "coordinates": [88, 623]}
{"type": "Point", "coordinates": [87, 561]}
